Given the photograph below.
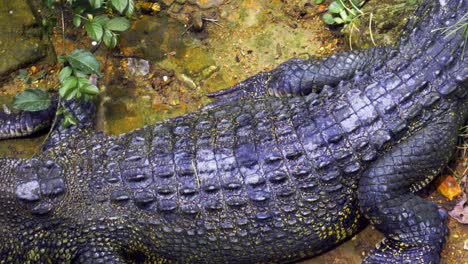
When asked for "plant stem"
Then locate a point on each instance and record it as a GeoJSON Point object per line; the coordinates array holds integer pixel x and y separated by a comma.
{"type": "Point", "coordinates": [347, 9]}
{"type": "Point", "coordinates": [63, 30]}
{"type": "Point", "coordinates": [370, 30]}
{"type": "Point", "coordinates": [356, 8]}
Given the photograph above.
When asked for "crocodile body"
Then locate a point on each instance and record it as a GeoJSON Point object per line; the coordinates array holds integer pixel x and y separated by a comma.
{"type": "Point", "coordinates": [256, 177]}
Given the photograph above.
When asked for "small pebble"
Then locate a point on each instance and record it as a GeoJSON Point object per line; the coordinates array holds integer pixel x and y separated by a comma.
{"type": "Point", "coordinates": [189, 82]}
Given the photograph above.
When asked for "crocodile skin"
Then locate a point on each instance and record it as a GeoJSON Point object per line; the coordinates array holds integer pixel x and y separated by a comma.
{"type": "Point", "coordinates": [255, 178]}
{"type": "Point", "coordinates": [301, 77]}
{"type": "Point", "coordinates": [25, 123]}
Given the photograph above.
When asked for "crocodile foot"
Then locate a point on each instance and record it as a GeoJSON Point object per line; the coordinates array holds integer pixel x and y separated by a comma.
{"type": "Point", "coordinates": [390, 251]}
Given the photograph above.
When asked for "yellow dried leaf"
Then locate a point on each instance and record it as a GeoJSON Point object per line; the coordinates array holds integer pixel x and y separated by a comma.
{"type": "Point", "coordinates": [448, 187]}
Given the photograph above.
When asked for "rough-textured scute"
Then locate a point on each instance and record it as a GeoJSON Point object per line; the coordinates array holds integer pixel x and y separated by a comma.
{"type": "Point", "coordinates": [282, 166]}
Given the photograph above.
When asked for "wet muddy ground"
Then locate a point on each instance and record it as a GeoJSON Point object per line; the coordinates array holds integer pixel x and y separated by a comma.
{"type": "Point", "coordinates": [177, 51]}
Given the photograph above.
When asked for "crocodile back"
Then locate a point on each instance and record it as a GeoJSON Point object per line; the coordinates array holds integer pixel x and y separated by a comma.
{"type": "Point", "coordinates": [226, 182]}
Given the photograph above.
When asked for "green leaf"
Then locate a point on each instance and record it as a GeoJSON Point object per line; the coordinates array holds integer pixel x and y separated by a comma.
{"type": "Point", "coordinates": [34, 99]}
{"type": "Point", "coordinates": [335, 8]}
{"type": "Point", "coordinates": [328, 19]}
{"type": "Point", "coordinates": [339, 20]}
{"type": "Point", "coordinates": [318, 2]}
{"type": "Point", "coordinates": [61, 110]}
{"type": "Point", "coordinates": [78, 73]}
{"type": "Point", "coordinates": [64, 73]}
{"type": "Point", "coordinates": [130, 9]}
{"type": "Point", "coordinates": [101, 20]}
{"type": "Point", "coordinates": [110, 39]}
{"type": "Point", "coordinates": [77, 21]}
{"type": "Point", "coordinates": [94, 30]}
{"type": "Point", "coordinates": [345, 16]}
{"type": "Point", "coordinates": [79, 10]}
{"type": "Point", "coordinates": [62, 58]}
{"type": "Point", "coordinates": [72, 93]}
{"type": "Point", "coordinates": [68, 88]}
{"type": "Point", "coordinates": [118, 24]}
{"type": "Point", "coordinates": [89, 90]}
{"type": "Point", "coordinates": [84, 61]}
{"type": "Point", "coordinates": [83, 81]}
{"type": "Point", "coordinates": [120, 5]}
{"type": "Point", "coordinates": [340, 3]}
{"type": "Point", "coordinates": [95, 3]}
{"type": "Point", "coordinates": [68, 118]}
{"type": "Point", "coordinates": [48, 3]}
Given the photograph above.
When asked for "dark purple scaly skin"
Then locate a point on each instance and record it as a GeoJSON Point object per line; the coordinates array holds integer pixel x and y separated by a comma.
{"type": "Point", "coordinates": [25, 123]}
{"type": "Point", "coordinates": [301, 77]}
{"type": "Point", "coordinates": [262, 179]}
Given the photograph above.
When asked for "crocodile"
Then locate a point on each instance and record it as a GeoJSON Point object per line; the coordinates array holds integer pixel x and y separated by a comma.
{"type": "Point", "coordinates": [280, 167]}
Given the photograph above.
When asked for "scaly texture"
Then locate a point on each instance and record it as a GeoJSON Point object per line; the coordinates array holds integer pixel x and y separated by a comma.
{"type": "Point", "coordinates": [25, 123]}
{"type": "Point", "coordinates": [256, 177]}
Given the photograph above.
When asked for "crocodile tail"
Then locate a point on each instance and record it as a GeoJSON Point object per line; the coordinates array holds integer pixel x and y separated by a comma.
{"type": "Point", "coordinates": [25, 123]}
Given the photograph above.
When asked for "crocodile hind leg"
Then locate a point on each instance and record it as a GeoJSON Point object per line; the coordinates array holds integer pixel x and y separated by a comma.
{"type": "Point", "coordinates": [414, 228]}
{"type": "Point", "coordinates": [302, 77]}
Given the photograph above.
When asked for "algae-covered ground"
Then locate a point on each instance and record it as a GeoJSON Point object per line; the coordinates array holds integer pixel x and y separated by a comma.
{"type": "Point", "coordinates": [177, 51]}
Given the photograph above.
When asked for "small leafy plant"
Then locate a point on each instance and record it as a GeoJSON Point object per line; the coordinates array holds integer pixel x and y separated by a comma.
{"type": "Point", "coordinates": [74, 77]}
{"type": "Point", "coordinates": [92, 14]}
{"type": "Point", "coordinates": [346, 13]}
{"type": "Point", "coordinates": [100, 27]}
{"type": "Point", "coordinates": [75, 82]}
{"type": "Point", "coordinates": [340, 13]}
{"type": "Point", "coordinates": [80, 65]}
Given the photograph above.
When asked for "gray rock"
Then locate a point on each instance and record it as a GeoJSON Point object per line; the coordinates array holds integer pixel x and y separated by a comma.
{"type": "Point", "coordinates": [21, 37]}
